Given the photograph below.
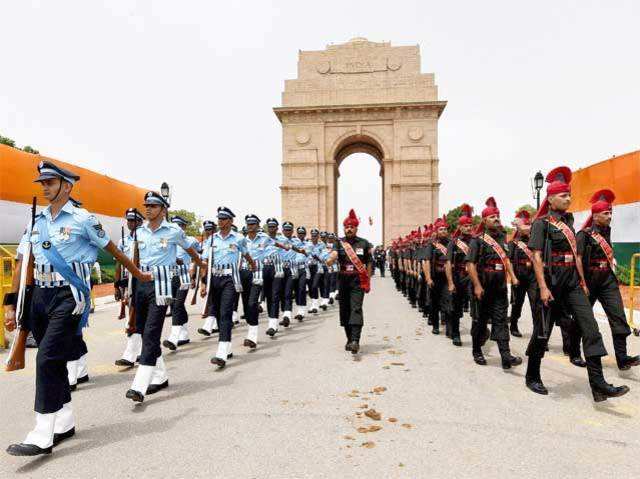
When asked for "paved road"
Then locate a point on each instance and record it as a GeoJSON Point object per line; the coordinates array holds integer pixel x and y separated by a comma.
{"type": "Point", "coordinates": [293, 409]}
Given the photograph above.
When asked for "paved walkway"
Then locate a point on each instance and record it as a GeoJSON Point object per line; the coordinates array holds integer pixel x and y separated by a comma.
{"type": "Point", "coordinates": [294, 408]}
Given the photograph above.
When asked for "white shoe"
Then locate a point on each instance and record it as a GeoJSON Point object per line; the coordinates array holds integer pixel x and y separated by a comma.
{"type": "Point", "coordinates": [286, 314]}
{"type": "Point", "coordinates": [83, 370]}
{"type": "Point", "coordinates": [210, 324]}
{"type": "Point", "coordinates": [273, 323]}
{"type": "Point", "coordinates": [72, 372]}
{"type": "Point", "coordinates": [142, 378]}
{"type": "Point", "coordinates": [42, 433]}
{"type": "Point", "coordinates": [64, 419]}
{"type": "Point", "coordinates": [184, 333]}
{"type": "Point", "coordinates": [223, 350]}
{"type": "Point", "coordinates": [174, 336]}
{"type": "Point", "coordinates": [159, 372]}
{"type": "Point", "coordinates": [252, 334]}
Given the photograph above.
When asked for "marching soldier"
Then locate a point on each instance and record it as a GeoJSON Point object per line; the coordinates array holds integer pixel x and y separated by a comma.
{"type": "Point", "coordinates": [134, 339]}
{"type": "Point", "coordinates": [210, 325]}
{"type": "Point", "coordinates": [521, 258]}
{"type": "Point", "coordinates": [558, 268]}
{"type": "Point", "coordinates": [64, 242]}
{"type": "Point", "coordinates": [180, 284]}
{"type": "Point", "coordinates": [314, 248]}
{"type": "Point", "coordinates": [158, 242]}
{"type": "Point", "coordinates": [380, 258]}
{"type": "Point", "coordinates": [458, 281]}
{"type": "Point", "coordinates": [436, 279]}
{"type": "Point", "coordinates": [354, 256]}
{"type": "Point", "coordinates": [489, 266]}
{"type": "Point", "coordinates": [272, 275]}
{"type": "Point", "coordinates": [594, 246]}
{"type": "Point", "coordinates": [300, 282]}
{"type": "Point", "coordinates": [223, 255]}
{"type": "Point", "coordinates": [290, 273]}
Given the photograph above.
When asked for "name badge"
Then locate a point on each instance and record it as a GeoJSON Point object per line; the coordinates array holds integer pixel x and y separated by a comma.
{"type": "Point", "coordinates": [499, 267]}
{"type": "Point", "coordinates": [359, 251]}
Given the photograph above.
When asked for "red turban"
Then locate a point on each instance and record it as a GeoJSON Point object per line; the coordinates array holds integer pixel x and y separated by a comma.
{"type": "Point", "coordinates": [466, 215]}
{"type": "Point", "coordinates": [440, 223]}
{"type": "Point", "coordinates": [525, 216]}
{"type": "Point", "coordinates": [600, 201]}
{"type": "Point", "coordinates": [351, 220]}
{"type": "Point", "coordinates": [491, 209]}
{"type": "Point", "coordinates": [559, 180]}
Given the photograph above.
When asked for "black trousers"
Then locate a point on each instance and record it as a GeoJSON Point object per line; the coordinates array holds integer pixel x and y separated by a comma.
{"type": "Point", "coordinates": [286, 291]}
{"type": "Point", "coordinates": [314, 281]}
{"type": "Point", "coordinates": [223, 297]}
{"type": "Point", "coordinates": [493, 307]}
{"type": "Point", "coordinates": [351, 299]}
{"type": "Point", "coordinates": [324, 283]}
{"type": "Point", "coordinates": [381, 267]}
{"type": "Point", "coordinates": [300, 287]}
{"type": "Point", "coordinates": [55, 329]}
{"type": "Point", "coordinates": [179, 314]}
{"type": "Point", "coordinates": [150, 319]}
{"type": "Point", "coordinates": [527, 287]}
{"type": "Point", "coordinates": [79, 348]}
{"type": "Point", "coordinates": [271, 288]}
{"type": "Point", "coordinates": [571, 300]}
{"type": "Point", "coordinates": [250, 297]}
{"type": "Point", "coordinates": [333, 281]}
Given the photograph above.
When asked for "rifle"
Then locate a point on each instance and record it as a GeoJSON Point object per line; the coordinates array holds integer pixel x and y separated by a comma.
{"type": "Point", "coordinates": [197, 290]}
{"type": "Point", "coordinates": [209, 279]}
{"type": "Point", "coordinates": [546, 260]}
{"type": "Point", "coordinates": [131, 322]}
{"type": "Point", "coordinates": [475, 302]}
{"type": "Point", "coordinates": [15, 360]}
{"type": "Point", "coordinates": [123, 299]}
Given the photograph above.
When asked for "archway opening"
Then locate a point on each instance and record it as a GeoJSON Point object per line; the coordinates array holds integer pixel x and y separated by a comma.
{"type": "Point", "coordinates": [359, 186]}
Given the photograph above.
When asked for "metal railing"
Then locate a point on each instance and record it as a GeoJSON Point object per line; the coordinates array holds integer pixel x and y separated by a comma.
{"type": "Point", "coordinates": [7, 264]}
{"type": "Point", "coordinates": [632, 287]}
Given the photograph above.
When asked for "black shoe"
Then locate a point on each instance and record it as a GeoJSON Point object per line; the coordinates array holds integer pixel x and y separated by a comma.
{"type": "Point", "coordinates": [124, 362]}
{"type": "Point", "coordinates": [337, 297]}
{"type": "Point", "coordinates": [628, 362]}
{"type": "Point", "coordinates": [323, 307]}
{"type": "Point", "coordinates": [537, 387]}
{"type": "Point", "coordinates": [229, 356]}
{"type": "Point", "coordinates": [347, 347]}
{"type": "Point", "coordinates": [578, 361]}
{"type": "Point", "coordinates": [182, 342]}
{"type": "Point", "coordinates": [215, 330]}
{"type": "Point", "coordinates": [135, 396]}
{"type": "Point", "coordinates": [169, 345]}
{"type": "Point", "coordinates": [154, 388]}
{"type": "Point", "coordinates": [479, 359]}
{"type": "Point", "coordinates": [511, 361]}
{"type": "Point", "coordinates": [271, 332]}
{"type": "Point", "coordinates": [299, 317]}
{"type": "Point", "coordinates": [515, 333]}
{"type": "Point", "coordinates": [59, 437]}
{"type": "Point", "coordinates": [602, 392]}
{"type": "Point", "coordinates": [285, 322]}
{"type": "Point", "coordinates": [250, 344]}
{"type": "Point", "coordinates": [27, 450]}
{"type": "Point", "coordinates": [260, 309]}
{"type": "Point", "coordinates": [221, 363]}
{"type": "Point", "coordinates": [354, 347]}
{"type": "Point", "coordinates": [204, 332]}
{"type": "Point", "coordinates": [83, 379]}
{"type": "Point", "coordinates": [435, 331]}
{"type": "Point", "coordinates": [313, 311]}
{"type": "Point", "coordinates": [457, 342]}
{"type": "Point", "coordinates": [331, 301]}
{"type": "Point", "coordinates": [73, 387]}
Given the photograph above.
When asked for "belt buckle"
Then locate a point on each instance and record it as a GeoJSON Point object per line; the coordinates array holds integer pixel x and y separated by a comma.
{"type": "Point", "coordinates": [568, 258]}
{"type": "Point", "coordinates": [528, 263]}
{"type": "Point", "coordinates": [499, 267]}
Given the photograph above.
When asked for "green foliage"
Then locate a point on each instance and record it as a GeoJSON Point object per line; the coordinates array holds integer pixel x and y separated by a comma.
{"type": "Point", "coordinates": [531, 209]}
{"type": "Point", "coordinates": [28, 149]}
{"type": "Point", "coordinates": [624, 275]}
{"type": "Point", "coordinates": [7, 141]}
{"type": "Point", "coordinates": [193, 229]}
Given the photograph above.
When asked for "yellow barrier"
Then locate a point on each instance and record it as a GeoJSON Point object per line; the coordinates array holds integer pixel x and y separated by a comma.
{"type": "Point", "coordinates": [632, 286]}
{"type": "Point", "coordinates": [7, 263]}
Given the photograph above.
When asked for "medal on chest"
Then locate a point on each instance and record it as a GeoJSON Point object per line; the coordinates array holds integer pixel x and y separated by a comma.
{"type": "Point", "coordinates": [65, 233]}
{"type": "Point", "coordinates": [164, 243]}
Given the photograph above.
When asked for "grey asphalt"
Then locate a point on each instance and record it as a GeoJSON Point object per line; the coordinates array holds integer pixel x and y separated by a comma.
{"type": "Point", "coordinates": [292, 409]}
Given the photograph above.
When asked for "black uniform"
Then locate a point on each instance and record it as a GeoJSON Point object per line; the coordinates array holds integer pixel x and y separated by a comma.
{"type": "Point", "coordinates": [494, 303]}
{"type": "Point", "coordinates": [351, 294]}
{"type": "Point", "coordinates": [562, 279]}
{"type": "Point", "coordinates": [440, 298]}
{"type": "Point", "coordinates": [523, 269]}
{"type": "Point", "coordinates": [381, 260]}
{"type": "Point", "coordinates": [603, 287]}
{"type": "Point", "coordinates": [461, 297]}
{"type": "Point", "coordinates": [424, 298]}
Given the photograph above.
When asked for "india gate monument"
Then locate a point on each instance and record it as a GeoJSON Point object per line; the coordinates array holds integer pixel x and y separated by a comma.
{"type": "Point", "coordinates": [360, 97]}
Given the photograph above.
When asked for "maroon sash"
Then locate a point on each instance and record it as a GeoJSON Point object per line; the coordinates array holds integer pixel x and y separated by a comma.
{"type": "Point", "coordinates": [365, 281]}
{"type": "Point", "coordinates": [498, 250]}
{"type": "Point", "coordinates": [463, 246]}
{"type": "Point", "coordinates": [608, 251]}
{"type": "Point", "coordinates": [525, 249]}
{"type": "Point", "coordinates": [568, 234]}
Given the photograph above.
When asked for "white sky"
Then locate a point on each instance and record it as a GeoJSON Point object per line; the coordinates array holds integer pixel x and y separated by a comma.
{"type": "Point", "coordinates": [183, 91]}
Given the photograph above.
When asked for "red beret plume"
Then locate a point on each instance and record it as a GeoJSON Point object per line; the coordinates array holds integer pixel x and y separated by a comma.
{"type": "Point", "coordinates": [600, 201]}
{"type": "Point", "coordinates": [559, 180]}
{"type": "Point", "coordinates": [491, 207]}
{"type": "Point", "coordinates": [466, 215]}
{"type": "Point", "coordinates": [441, 222]}
{"type": "Point", "coordinates": [351, 220]}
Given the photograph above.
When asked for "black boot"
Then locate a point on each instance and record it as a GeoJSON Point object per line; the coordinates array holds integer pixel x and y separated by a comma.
{"type": "Point", "coordinates": [624, 361]}
{"type": "Point", "coordinates": [508, 359]}
{"type": "Point", "coordinates": [600, 389]}
{"type": "Point", "coordinates": [347, 332]}
{"type": "Point", "coordinates": [533, 379]}
{"type": "Point", "coordinates": [479, 359]}
{"type": "Point", "coordinates": [515, 332]}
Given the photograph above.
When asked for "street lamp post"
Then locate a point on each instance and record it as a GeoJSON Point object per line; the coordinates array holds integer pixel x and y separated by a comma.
{"type": "Point", "coordinates": [165, 191]}
{"type": "Point", "coordinates": [538, 183]}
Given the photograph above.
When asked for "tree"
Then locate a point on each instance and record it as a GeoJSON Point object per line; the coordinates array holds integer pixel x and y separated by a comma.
{"type": "Point", "coordinates": [531, 209]}
{"type": "Point", "coordinates": [7, 141]}
{"type": "Point", "coordinates": [28, 149]}
{"type": "Point", "coordinates": [193, 229]}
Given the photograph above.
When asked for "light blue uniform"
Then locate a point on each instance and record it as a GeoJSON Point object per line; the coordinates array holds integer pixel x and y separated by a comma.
{"type": "Point", "coordinates": [226, 251]}
{"type": "Point", "coordinates": [259, 246]}
{"type": "Point", "coordinates": [182, 253]}
{"type": "Point", "coordinates": [160, 247]}
{"type": "Point", "coordinates": [75, 233]}
{"type": "Point", "coordinates": [288, 255]}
